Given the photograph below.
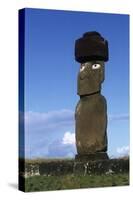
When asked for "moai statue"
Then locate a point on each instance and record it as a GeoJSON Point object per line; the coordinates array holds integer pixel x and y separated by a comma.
{"type": "Point", "coordinates": [91, 51]}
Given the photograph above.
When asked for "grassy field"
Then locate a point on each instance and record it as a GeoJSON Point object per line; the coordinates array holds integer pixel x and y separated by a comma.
{"type": "Point", "coordinates": [46, 183]}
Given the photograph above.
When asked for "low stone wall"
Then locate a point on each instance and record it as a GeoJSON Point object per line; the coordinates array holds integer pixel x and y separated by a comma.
{"type": "Point", "coordinates": [102, 167]}
{"type": "Point", "coordinates": [64, 167]}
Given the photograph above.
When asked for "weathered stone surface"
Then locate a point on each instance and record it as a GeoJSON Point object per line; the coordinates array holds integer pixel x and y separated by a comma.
{"type": "Point", "coordinates": [56, 168]}
{"type": "Point", "coordinates": [65, 167]}
{"type": "Point", "coordinates": [110, 166]}
{"type": "Point", "coordinates": [91, 157]}
{"type": "Point", "coordinates": [91, 124]}
{"type": "Point", "coordinates": [90, 77]}
{"type": "Point", "coordinates": [91, 51]}
{"type": "Point", "coordinates": [91, 46]}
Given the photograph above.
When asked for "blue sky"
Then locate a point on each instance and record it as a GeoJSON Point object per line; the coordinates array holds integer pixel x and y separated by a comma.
{"type": "Point", "coordinates": [51, 80]}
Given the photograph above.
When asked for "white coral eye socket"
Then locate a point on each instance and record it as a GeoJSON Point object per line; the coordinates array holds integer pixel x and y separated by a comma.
{"type": "Point", "coordinates": [82, 68]}
{"type": "Point", "coordinates": [96, 66]}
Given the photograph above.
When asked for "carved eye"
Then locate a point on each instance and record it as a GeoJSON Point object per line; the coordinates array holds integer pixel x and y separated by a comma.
{"type": "Point", "coordinates": [96, 66]}
{"type": "Point", "coordinates": [82, 68]}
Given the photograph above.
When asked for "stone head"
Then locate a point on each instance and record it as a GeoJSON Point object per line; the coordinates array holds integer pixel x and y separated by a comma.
{"type": "Point", "coordinates": [91, 51]}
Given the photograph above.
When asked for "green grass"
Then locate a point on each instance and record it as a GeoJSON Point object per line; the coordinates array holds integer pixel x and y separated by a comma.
{"type": "Point", "coordinates": [45, 183]}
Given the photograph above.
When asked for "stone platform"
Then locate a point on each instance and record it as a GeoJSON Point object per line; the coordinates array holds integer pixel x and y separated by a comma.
{"type": "Point", "coordinates": [64, 167]}
{"type": "Point", "coordinates": [91, 157]}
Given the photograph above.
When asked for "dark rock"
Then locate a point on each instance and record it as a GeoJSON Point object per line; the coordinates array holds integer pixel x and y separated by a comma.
{"type": "Point", "coordinates": [91, 157]}
{"type": "Point", "coordinates": [91, 124]}
{"type": "Point", "coordinates": [65, 167]}
{"type": "Point", "coordinates": [92, 46]}
{"type": "Point", "coordinates": [56, 168]}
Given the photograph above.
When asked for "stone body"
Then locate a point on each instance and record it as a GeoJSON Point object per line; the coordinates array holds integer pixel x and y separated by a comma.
{"type": "Point", "coordinates": [91, 110]}
{"type": "Point", "coordinates": [91, 124]}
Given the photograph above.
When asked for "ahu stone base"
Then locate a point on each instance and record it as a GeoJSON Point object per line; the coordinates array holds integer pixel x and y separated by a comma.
{"type": "Point", "coordinates": [75, 167]}
{"type": "Point", "coordinates": [91, 157]}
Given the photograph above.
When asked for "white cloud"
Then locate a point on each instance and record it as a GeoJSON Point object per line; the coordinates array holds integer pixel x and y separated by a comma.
{"type": "Point", "coordinates": [63, 147]}
{"type": "Point", "coordinates": [124, 150]}
{"type": "Point", "coordinates": [69, 138]}
{"type": "Point", "coordinates": [35, 117]}
{"type": "Point", "coordinates": [61, 117]}
{"type": "Point", "coordinates": [118, 117]}
{"type": "Point", "coordinates": [58, 149]}
{"type": "Point", "coordinates": [47, 122]}
{"type": "Point", "coordinates": [43, 128]}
